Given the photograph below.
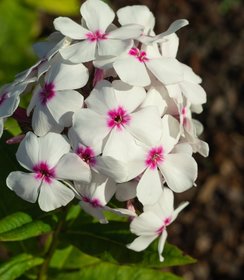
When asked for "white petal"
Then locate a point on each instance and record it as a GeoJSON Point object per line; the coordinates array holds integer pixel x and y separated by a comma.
{"type": "Point", "coordinates": [67, 76]}
{"type": "Point", "coordinates": [179, 171]}
{"type": "Point", "coordinates": [54, 195]}
{"type": "Point", "coordinates": [189, 75]}
{"type": "Point", "coordinates": [179, 209]}
{"type": "Point", "coordinates": [146, 224]}
{"type": "Point", "coordinates": [130, 31]}
{"type": "Point", "coordinates": [43, 122]}
{"type": "Point", "coordinates": [149, 187]}
{"type": "Point", "coordinates": [24, 185]}
{"type": "Point", "coordinates": [169, 46]}
{"type": "Point", "coordinates": [166, 70]}
{"type": "Point", "coordinates": [141, 243]}
{"type": "Point", "coordinates": [97, 14]}
{"type": "Point", "coordinates": [112, 47]}
{"type": "Point", "coordinates": [128, 96]}
{"type": "Point", "coordinates": [137, 14]}
{"type": "Point", "coordinates": [91, 127]}
{"type": "Point", "coordinates": [70, 28]}
{"type": "Point", "coordinates": [1, 127]}
{"type": "Point", "coordinates": [161, 244]}
{"type": "Point", "coordinates": [80, 52]}
{"type": "Point", "coordinates": [94, 212]}
{"type": "Point", "coordinates": [9, 105]}
{"type": "Point", "coordinates": [132, 71]}
{"type": "Point", "coordinates": [102, 98]}
{"type": "Point", "coordinates": [64, 104]}
{"type": "Point", "coordinates": [145, 125]}
{"type": "Point", "coordinates": [71, 167]}
{"type": "Point", "coordinates": [126, 191]}
{"type": "Point", "coordinates": [193, 92]}
{"type": "Point", "coordinates": [52, 147]}
{"type": "Point", "coordinates": [28, 151]}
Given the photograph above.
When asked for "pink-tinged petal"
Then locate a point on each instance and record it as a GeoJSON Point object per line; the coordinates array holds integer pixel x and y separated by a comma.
{"type": "Point", "coordinates": [70, 28]}
{"type": "Point", "coordinates": [170, 133]}
{"type": "Point", "coordinates": [71, 167]}
{"type": "Point", "coordinates": [112, 47]}
{"type": "Point", "coordinates": [136, 14]}
{"type": "Point", "coordinates": [80, 52]}
{"type": "Point", "coordinates": [193, 92]}
{"type": "Point", "coordinates": [96, 212]}
{"type": "Point", "coordinates": [169, 46]}
{"type": "Point", "coordinates": [43, 122]}
{"type": "Point", "coordinates": [161, 244]}
{"type": "Point", "coordinates": [28, 151]}
{"type": "Point", "coordinates": [179, 171]}
{"type": "Point", "coordinates": [149, 187]}
{"type": "Point", "coordinates": [24, 185]}
{"type": "Point", "coordinates": [54, 195]}
{"type": "Point", "coordinates": [130, 31]}
{"type": "Point", "coordinates": [154, 98]}
{"type": "Point", "coordinates": [102, 98]}
{"type": "Point", "coordinates": [126, 191]}
{"type": "Point", "coordinates": [141, 243]}
{"type": "Point", "coordinates": [67, 76]}
{"type": "Point", "coordinates": [150, 132]}
{"type": "Point", "coordinates": [97, 15]}
{"type": "Point", "coordinates": [179, 209]}
{"type": "Point", "coordinates": [166, 70]}
{"type": "Point", "coordinates": [52, 147]}
{"type": "Point", "coordinates": [147, 224]}
{"type": "Point", "coordinates": [132, 71]}
{"type": "Point", "coordinates": [91, 128]}
{"type": "Point", "coordinates": [128, 96]}
{"type": "Point", "coordinates": [64, 104]}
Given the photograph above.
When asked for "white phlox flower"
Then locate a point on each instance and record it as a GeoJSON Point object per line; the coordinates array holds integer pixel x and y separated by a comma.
{"type": "Point", "coordinates": [95, 38]}
{"type": "Point", "coordinates": [54, 102]}
{"type": "Point", "coordinates": [95, 196]}
{"type": "Point", "coordinates": [153, 222]}
{"type": "Point", "coordinates": [49, 160]}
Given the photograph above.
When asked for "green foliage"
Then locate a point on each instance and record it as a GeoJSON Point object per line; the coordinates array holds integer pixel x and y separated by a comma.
{"type": "Point", "coordinates": [18, 265]}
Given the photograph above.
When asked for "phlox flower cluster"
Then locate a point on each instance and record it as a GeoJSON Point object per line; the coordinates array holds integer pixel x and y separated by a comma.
{"type": "Point", "coordinates": [109, 117]}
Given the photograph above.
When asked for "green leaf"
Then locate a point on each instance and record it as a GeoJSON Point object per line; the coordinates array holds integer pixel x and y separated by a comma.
{"type": "Point", "coordinates": [14, 221]}
{"type": "Point", "coordinates": [57, 7]}
{"type": "Point", "coordinates": [70, 259]}
{"type": "Point", "coordinates": [108, 243]}
{"type": "Point", "coordinates": [26, 231]}
{"type": "Point", "coordinates": [18, 265]}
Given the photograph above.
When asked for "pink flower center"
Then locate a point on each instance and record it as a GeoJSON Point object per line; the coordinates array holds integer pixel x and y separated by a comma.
{"type": "Point", "coordinates": [96, 36]}
{"type": "Point", "coordinates": [3, 97]}
{"type": "Point", "coordinates": [118, 118]}
{"type": "Point", "coordinates": [140, 55]}
{"type": "Point", "coordinates": [87, 155]}
{"type": "Point", "coordinates": [44, 172]}
{"type": "Point", "coordinates": [95, 203]}
{"type": "Point", "coordinates": [154, 157]}
{"type": "Point", "coordinates": [47, 93]}
{"type": "Point", "coordinates": [166, 222]}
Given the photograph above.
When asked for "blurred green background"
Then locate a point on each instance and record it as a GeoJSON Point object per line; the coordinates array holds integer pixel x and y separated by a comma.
{"type": "Point", "coordinates": [210, 229]}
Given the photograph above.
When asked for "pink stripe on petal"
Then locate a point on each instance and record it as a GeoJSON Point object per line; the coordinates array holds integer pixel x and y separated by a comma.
{"type": "Point", "coordinates": [140, 55]}
{"type": "Point", "coordinates": [95, 203]}
{"type": "Point", "coordinates": [96, 36]}
{"type": "Point", "coordinates": [44, 172]}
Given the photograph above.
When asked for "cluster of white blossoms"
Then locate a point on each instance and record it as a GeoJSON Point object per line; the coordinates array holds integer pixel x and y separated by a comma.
{"type": "Point", "coordinates": [110, 115]}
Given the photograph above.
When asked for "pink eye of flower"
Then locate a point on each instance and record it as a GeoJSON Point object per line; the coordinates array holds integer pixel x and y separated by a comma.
{"type": "Point", "coordinates": [87, 155]}
{"type": "Point", "coordinates": [44, 172]}
{"type": "Point", "coordinates": [140, 55]}
{"type": "Point", "coordinates": [47, 93]}
{"type": "Point", "coordinates": [3, 97]}
{"type": "Point", "coordinates": [117, 118]}
{"type": "Point", "coordinates": [183, 112]}
{"type": "Point", "coordinates": [96, 36]}
{"type": "Point", "coordinates": [95, 203]}
{"type": "Point", "coordinates": [154, 157]}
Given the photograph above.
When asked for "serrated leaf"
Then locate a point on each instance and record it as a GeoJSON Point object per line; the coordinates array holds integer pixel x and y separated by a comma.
{"type": "Point", "coordinates": [26, 231]}
{"type": "Point", "coordinates": [57, 7]}
{"type": "Point", "coordinates": [14, 221]}
{"type": "Point", "coordinates": [108, 243]}
{"type": "Point", "coordinates": [18, 265]}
